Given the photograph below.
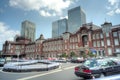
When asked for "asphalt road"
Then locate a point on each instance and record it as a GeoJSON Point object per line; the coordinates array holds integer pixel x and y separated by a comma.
{"type": "Point", "coordinates": [66, 72]}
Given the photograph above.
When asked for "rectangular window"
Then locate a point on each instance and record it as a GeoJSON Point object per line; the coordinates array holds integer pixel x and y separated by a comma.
{"type": "Point", "coordinates": [107, 34]}
{"type": "Point", "coordinates": [65, 46]}
{"type": "Point", "coordinates": [11, 51]}
{"type": "Point", "coordinates": [98, 43]}
{"type": "Point", "coordinates": [116, 42]}
{"type": "Point", "coordinates": [94, 44]}
{"type": "Point", "coordinates": [102, 43]}
{"type": "Point", "coordinates": [109, 51]}
{"type": "Point", "coordinates": [71, 46]}
{"type": "Point", "coordinates": [114, 34]}
{"type": "Point", "coordinates": [93, 36]}
{"type": "Point", "coordinates": [96, 36]}
{"type": "Point", "coordinates": [101, 35]}
{"type": "Point", "coordinates": [117, 49]}
{"type": "Point", "coordinates": [108, 42]}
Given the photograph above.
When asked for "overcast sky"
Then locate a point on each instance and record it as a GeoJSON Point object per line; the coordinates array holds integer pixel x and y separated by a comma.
{"type": "Point", "coordinates": [44, 12]}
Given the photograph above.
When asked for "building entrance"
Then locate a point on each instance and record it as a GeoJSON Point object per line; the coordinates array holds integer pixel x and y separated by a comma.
{"type": "Point", "coordinates": [85, 40]}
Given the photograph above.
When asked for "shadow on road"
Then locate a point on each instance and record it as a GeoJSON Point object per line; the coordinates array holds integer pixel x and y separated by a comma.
{"type": "Point", "coordinates": [79, 79]}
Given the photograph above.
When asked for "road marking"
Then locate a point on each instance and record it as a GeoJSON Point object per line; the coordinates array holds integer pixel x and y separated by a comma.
{"type": "Point", "coordinates": [30, 77]}
{"type": "Point", "coordinates": [34, 76]}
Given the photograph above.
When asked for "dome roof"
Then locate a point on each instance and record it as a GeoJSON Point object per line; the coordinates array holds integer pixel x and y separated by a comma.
{"type": "Point", "coordinates": [41, 37]}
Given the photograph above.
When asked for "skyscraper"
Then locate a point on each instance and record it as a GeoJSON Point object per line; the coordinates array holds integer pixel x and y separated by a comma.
{"type": "Point", "coordinates": [76, 17]}
{"type": "Point", "coordinates": [28, 30]}
{"type": "Point", "coordinates": [59, 27]}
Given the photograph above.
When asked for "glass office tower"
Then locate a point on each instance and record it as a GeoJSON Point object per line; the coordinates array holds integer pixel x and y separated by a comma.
{"type": "Point", "coordinates": [76, 17]}
{"type": "Point", "coordinates": [59, 27]}
{"type": "Point", "coordinates": [28, 30]}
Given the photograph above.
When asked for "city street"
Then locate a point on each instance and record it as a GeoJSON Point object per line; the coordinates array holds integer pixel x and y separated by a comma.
{"type": "Point", "coordinates": [66, 72]}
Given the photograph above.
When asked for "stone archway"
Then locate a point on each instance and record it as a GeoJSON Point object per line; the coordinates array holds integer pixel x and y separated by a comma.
{"type": "Point", "coordinates": [85, 40]}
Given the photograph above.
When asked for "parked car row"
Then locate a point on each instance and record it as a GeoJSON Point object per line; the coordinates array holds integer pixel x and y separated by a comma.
{"type": "Point", "coordinates": [95, 68]}
{"type": "Point", "coordinates": [77, 60]}
{"type": "Point", "coordinates": [60, 60]}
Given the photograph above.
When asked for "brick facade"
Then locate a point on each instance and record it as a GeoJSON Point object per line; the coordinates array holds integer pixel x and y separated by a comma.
{"type": "Point", "coordinates": [104, 41]}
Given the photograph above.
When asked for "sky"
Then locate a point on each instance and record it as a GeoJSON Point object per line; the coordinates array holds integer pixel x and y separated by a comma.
{"type": "Point", "coordinates": [44, 12]}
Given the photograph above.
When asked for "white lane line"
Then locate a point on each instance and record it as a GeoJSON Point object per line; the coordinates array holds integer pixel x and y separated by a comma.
{"type": "Point", "coordinates": [34, 76]}
{"type": "Point", "coordinates": [30, 77]}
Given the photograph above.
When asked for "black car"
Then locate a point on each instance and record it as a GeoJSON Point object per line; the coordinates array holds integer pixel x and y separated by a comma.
{"type": "Point", "coordinates": [95, 68]}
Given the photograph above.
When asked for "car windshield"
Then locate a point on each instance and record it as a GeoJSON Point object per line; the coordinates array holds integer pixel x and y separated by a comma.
{"type": "Point", "coordinates": [91, 63]}
{"type": "Point", "coordinates": [96, 63]}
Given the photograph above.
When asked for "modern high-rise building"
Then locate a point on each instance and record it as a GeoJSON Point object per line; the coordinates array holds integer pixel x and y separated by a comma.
{"type": "Point", "coordinates": [76, 17]}
{"type": "Point", "coordinates": [28, 30]}
{"type": "Point", "coordinates": [59, 27]}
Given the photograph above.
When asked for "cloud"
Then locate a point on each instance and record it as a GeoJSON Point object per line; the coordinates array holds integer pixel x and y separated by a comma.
{"type": "Point", "coordinates": [62, 17]}
{"type": "Point", "coordinates": [113, 7]}
{"type": "Point", "coordinates": [110, 13]}
{"type": "Point", "coordinates": [6, 33]}
{"type": "Point", "coordinates": [43, 7]}
{"type": "Point", "coordinates": [117, 11]}
{"type": "Point", "coordinates": [112, 2]}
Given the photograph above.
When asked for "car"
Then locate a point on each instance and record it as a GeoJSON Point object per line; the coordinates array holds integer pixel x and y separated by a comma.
{"type": "Point", "coordinates": [61, 60]}
{"type": "Point", "coordinates": [95, 68]}
{"type": "Point", "coordinates": [2, 62]}
{"type": "Point", "coordinates": [116, 59]}
{"type": "Point", "coordinates": [111, 77]}
{"type": "Point", "coordinates": [77, 60]}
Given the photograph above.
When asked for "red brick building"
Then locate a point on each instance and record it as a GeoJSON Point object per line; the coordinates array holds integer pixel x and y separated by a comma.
{"type": "Point", "coordinates": [103, 41]}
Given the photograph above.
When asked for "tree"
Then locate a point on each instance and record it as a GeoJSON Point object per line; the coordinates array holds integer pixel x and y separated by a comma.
{"type": "Point", "coordinates": [90, 54]}
{"type": "Point", "coordinates": [64, 55]}
{"type": "Point", "coordinates": [72, 54]}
